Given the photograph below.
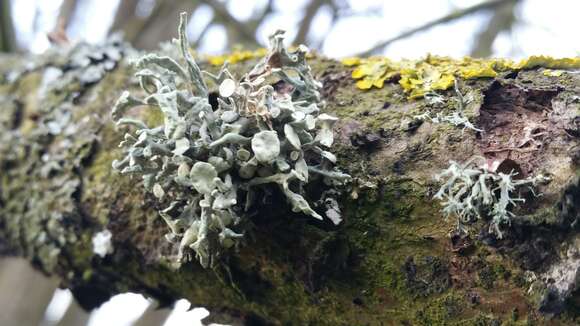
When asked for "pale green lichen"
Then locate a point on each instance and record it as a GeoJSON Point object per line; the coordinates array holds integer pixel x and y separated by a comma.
{"type": "Point", "coordinates": [47, 138]}
{"type": "Point", "coordinates": [209, 163]}
{"type": "Point", "coordinates": [468, 191]}
{"type": "Point", "coordinates": [457, 118]}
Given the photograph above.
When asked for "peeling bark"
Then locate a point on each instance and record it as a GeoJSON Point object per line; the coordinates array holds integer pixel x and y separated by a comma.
{"type": "Point", "coordinates": [393, 260]}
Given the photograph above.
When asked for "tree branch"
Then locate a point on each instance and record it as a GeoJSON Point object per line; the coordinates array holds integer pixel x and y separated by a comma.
{"type": "Point", "coordinates": [486, 5]}
{"type": "Point", "coordinates": [125, 15]}
{"type": "Point", "coordinates": [58, 35]}
{"type": "Point", "coordinates": [74, 316]}
{"type": "Point", "coordinates": [502, 20]}
{"type": "Point", "coordinates": [58, 190]}
{"type": "Point", "coordinates": [309, 13]}
{"type": "Point", "coordinates": [7, 37]}
{"type": "Point", "coordinates": [67, 10]}
{"type": "Point", "coordinates": [245, 34]}
{"type": "Point", "coordinates": [25, 293]}
{"type": "Point", "coordinates": [159, 25]}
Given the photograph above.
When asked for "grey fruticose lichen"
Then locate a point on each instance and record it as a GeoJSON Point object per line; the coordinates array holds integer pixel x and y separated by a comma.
{"type": "Point", "coordinates": [469, 190]}
{"type": "Point", "coordinates": [208, 163]}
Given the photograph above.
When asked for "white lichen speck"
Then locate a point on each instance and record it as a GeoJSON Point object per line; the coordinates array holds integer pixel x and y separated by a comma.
{"type": "Point", "coordinates": [102, 244]}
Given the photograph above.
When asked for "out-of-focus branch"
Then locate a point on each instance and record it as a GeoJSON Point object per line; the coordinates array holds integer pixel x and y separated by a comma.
{"type": "Point", "coordinates": [153, 316]}
{"type": "Point", "coordinates": [242, 32]}
{"type": "Point", "coordinates": [74, 316]}
{"type": "Point", "coordinates": [338, 9]}
{"type": "Point", "coordinates": [67, 10]}
{"type": "Point", "coordinates": [24, 294]}
{"type": "Point", "coordinates": [125, 15]}
{"type": "Point", "coordinates": [309, 13]}
{"type": "Point", "coordinates": [159, 25]}
{"type": "Point", "coordinates": [201, 35]}
{"type": "Point", "coordinates": [341, 9]}
{"type": "Point", "coordinates": [58, 34]}
{"type": "Point", "coordinates": [265, 12]}
{"type": "Point", "coordinates": [503, 19]}
{"type": "Point", "coordinates": [486, 5]}
{"type": "Point", "coordinates": [258, 18]}
{"type": "Point", "coordinates": [245, 34]}
{"type": "Point", "coordinates": [7, 39]}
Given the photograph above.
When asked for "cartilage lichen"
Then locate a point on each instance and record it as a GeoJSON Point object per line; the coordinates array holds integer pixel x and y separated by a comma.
{"type": "Point", "coordinates": [208, 162]}
{"type": "Point", "coordinates": [469, 190]}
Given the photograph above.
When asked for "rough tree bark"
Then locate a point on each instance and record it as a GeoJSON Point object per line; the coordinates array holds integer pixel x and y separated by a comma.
{"type": "Point", "coordinates": [394, 259]}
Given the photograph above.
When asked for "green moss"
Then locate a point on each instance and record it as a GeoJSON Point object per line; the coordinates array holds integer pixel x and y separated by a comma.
{"type": "Point", "coordinates": [153, 117]}
{"type": "Point", "coordinates": [502, 272]}
{"type": "Point", "coordinates": [485, 320]}
{"type": "Point", "coordinates": [486, 277]}
{"type": "Point", "coordinates": [441, 311]}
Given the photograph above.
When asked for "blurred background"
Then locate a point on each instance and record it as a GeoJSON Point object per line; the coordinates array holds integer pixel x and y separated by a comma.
{"type": "Point", "coordinates": [336, 28]}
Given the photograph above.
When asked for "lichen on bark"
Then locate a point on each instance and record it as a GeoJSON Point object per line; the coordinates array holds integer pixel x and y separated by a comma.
{"type": "Point", "coordinates": [393, 259]}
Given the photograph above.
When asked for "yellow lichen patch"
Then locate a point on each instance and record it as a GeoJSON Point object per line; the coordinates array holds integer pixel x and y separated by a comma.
{"type": "Point", "coordinates": [375, 72]}
{"type": "Point", "coordinates": [236, 56]}
{"type": "Point", "coordinates": [240, 55]}
{"type": "Point", "coordinates": [351, 61]}
{"type": "Point", "coordinates": [553, 73]}
{"type": "Point", "coordinates": [549, 62]}
{"type": "Point", "coordinates": [418, 77]}
{"type": "Point", "coordinates": [421, 77]}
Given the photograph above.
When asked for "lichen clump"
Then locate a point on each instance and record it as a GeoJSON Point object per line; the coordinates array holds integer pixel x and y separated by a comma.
{"type": "Point", "coordinates": [468, 191]}
{"type": "Point", "coordinates": [457, 118]}
{"type": "Point", "coordinates": [211, 164]}
{"type": "Point", "coordinates": [436, 73]}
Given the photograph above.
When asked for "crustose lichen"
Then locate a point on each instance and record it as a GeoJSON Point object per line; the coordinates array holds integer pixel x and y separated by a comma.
{"type": "Point", "coordinates": [209, 163]}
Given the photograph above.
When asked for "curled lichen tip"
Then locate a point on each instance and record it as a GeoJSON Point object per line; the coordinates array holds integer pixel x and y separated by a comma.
{"type": "Point", "coordinates": [192, 67]}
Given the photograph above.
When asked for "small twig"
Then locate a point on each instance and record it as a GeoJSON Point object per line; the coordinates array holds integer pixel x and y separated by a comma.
{"type": "Point", "coordinates": [202, 34]}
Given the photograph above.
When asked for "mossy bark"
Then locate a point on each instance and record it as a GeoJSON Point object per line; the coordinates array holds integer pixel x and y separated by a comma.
{"type": "Point", "coordinates": [393, 260]}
